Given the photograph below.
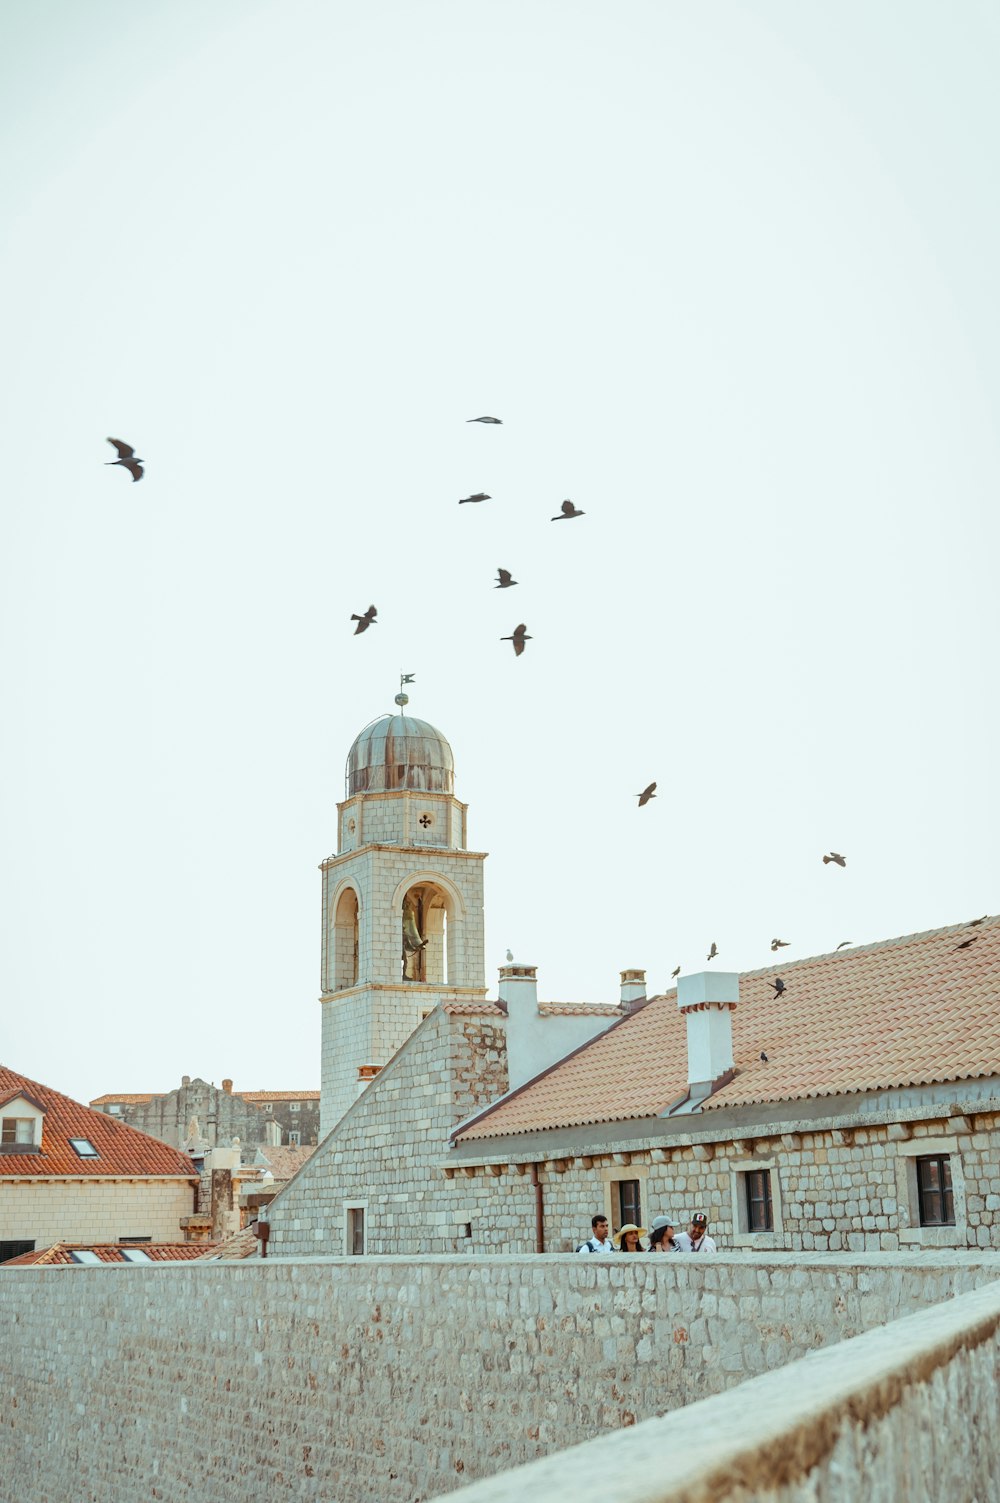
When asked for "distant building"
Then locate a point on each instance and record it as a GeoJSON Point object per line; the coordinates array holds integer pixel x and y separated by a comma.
{"type": "Point", "coordinates": [82, 1254]}
{"type": "Point", "coordinates": [71, 1174]}
{"type": "Point", "coordinates": [257, 1118]}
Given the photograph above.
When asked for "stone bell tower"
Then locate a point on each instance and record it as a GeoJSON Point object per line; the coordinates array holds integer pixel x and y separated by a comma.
{"type": "Point", "coordinates": [402, 904]}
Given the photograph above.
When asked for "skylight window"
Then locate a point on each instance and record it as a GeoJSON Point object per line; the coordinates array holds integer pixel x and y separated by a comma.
{"type": "Point", "coordinates": [84, 1148]}
{"type": "Point", "coordinates": [135, 1255]}
{"type": "Point", "coordinates": [84, 1255]}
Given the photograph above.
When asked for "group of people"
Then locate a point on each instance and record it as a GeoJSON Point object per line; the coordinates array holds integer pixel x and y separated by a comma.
{"type": "Point", "coordinates": [661, 1236]}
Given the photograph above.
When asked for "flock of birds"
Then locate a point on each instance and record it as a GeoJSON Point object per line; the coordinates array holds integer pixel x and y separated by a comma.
{"type": "Point", "coordinates": [505, 579]}
{"type": "Point", "coordinates": [130, 461]}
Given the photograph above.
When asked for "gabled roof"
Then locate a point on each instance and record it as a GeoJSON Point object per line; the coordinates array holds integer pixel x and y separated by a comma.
{"type": "Point", "coordinates": [122, 1151]}
{"type": "Point", "coordinates": [127, 1098]}
{"type": "Point", "coordinates": [283, 1160]}
{"type": "Point", "coordinates": [905, 1012]}
{"type": "Point", "coordinates": [112, 1252]}
{"type": "Point", "coordinates": [243, 1244]}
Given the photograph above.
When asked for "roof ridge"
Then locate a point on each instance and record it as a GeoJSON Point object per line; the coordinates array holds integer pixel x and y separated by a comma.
{"type": "Point", "coordinates": [876, 944]}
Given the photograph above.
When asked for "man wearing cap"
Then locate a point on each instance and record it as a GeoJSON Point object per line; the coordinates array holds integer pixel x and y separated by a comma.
{"type": "Point", "coordinates": [696, 1238]}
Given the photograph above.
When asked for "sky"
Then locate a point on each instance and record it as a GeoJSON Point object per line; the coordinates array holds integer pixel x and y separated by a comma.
{"type": "Point", "coordinates": [727, 274]}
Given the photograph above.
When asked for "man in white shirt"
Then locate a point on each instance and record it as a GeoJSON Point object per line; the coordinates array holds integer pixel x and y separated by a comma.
{"type": "Point", "coordinates": [599, 1239]}
{"type": "Point", "coordinates": [696, 1238]}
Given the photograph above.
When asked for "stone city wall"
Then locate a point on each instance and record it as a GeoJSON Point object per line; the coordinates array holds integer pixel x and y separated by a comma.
{"type": "Point", "coordinates": [909, 1411]}
{"type": "Point", "coordinates": [397, 1378]}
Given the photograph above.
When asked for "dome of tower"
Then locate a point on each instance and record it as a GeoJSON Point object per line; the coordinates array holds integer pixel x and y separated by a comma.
{"type": "Point", "coordinates": [398, 751]}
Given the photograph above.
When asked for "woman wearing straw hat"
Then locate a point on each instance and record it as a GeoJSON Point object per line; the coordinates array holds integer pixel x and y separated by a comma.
{"type": "Point", "coordinates": [627, 1238]}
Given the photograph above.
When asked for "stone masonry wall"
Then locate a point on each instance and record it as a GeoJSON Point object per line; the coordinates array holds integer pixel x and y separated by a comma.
{"type": "Point", "coordinates": [385, 1155]}
{"type": "Point", "coordinates": [94, 1210]}
{"type": "Point", "coordinates": [395, 1379]}
{"type": "Point", "coordinates": [908, 1411]}
{"type": "Point", "coordinates": [847, 1184]}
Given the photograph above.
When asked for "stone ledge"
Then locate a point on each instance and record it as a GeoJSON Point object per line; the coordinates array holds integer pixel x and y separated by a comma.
{"type": "Point", "coordinates": [769, 1432]}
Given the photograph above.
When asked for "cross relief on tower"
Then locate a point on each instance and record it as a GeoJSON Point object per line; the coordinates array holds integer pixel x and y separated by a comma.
{"type": "Point", "coordinates": [402, 904]}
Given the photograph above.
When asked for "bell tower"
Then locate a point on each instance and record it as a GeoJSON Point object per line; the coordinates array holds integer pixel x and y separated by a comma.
{"type": "Point", "coordinates": [402, 904]}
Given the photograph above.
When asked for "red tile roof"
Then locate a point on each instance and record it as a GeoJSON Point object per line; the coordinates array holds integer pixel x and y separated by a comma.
{"type": "Point", "coordinates": [908, 1011]}
{"type": "Point", "coordinates": [122, 1151]}
{"type": "Point", "coordinates": [243, 1244]}
{"type": "Point", "coordinates": [127, 1098]}
{"type": "Point", "coordinates": [111, 1252]}
{"type": "Point", "coordinates": [284, 1160]}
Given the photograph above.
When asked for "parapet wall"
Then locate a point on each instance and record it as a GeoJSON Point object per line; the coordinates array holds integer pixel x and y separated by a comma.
{"type": "Point", "coordinates": [907, 1411]}
{"type": "Point", "coordinates": [397, 1378]}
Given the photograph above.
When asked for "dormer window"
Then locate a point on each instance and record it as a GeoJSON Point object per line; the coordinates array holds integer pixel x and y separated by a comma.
{"type": "Point", "coordinates": [17, 1130]}
{"type": "Point", "coordinates": [84, 1147]}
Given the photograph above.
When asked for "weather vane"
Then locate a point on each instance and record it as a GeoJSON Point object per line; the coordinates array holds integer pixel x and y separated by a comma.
{"type": "Point", "coordinates": [404, 699]}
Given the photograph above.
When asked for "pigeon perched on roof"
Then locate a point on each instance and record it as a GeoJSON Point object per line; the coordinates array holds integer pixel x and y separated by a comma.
{"type": "Point", "coordinates": [505, 578]}
{"type": "Point", "coordinates": [834, 856]}
{"type": "Point", "coordinates": [780, 944]}
{"type": "Point", "coordinates": [366, 620]}
{"type": "Point", "coordinates": [763, 1056]}
{"type": "Point", "coordinates": [498, 421]}
{"type": "Point", "coordinates": [567, 512]}
{"type": "Point", "coordinates": [646, 794]}
{"type": "Point", "coordinates": [713, 951]}
{"type": "Point", "coordinates": [127, 459]}
{"type": "Point", "coordinates": [479, 496]}
{"type": "Point", "coordinates": [974, 923]}
{"type": "Point", "coordinates": [779, 986]}
{"type": "Point", "coordinates": [519, 637]}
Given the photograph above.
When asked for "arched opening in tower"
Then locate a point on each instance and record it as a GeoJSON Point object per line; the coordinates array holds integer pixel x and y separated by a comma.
{"type": "Point", "coordinates": [345, 941]}
{"type": "Point", "coordinates": [424, 930]}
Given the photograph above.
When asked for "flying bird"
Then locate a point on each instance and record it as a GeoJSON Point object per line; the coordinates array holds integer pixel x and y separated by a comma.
{"type": "Point", "coordinates": [763, 1056]}
{"type": "Point", "coordinates": [499, 421]}
{"type": "Point", "coordinates": [967, 942]}
{"type": "Point", "coordinates": [675, 974]}
{"type": "Point", "coordinates": [713, 951]}
{"type": "Point", "coordinates": [364, 621]}
{"type": "Point", "coordinates": [780, 944]}
{"type": "Point", "coordinates": [843, 942]}
{"type": "Point", "coordinates": [974, 923]}
{"type": "Point", "coordinates": [779, 986]}
{"type": "Point", "coordinates": [479, 496]}
{"type": "Point", "coordinates": [127, 459]}
{"type": "Point", "coordinates": [519, 637]}
{"type": "Point", "coordinates": [506, 581]}
{"type": "Point", "coordinates": [567, 512]}
{"type": "Point", "coordinates": [834, 856]}
{"type": "Point", "coordinates": [646, 794]}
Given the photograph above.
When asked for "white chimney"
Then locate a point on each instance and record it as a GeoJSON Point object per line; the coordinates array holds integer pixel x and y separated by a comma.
{"type": "Point", "coordinates": [633, 987]}
{"type": "Point", "coordinates": [518, 990]}
{"type": "Point", "coordinates": [706, 1000]}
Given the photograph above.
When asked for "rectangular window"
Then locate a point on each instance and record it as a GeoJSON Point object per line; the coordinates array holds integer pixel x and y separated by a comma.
{"type": "Point", "coordinates": [84, 1148]}
{"type": "Point", "coordinates": [356, 1231]}
{"type": "Point", "coordinates": [934, 1192]}
{"type": "Point", "coordinates": [294, 1139]}
{"type": "Point", "coordinates": [17, 1130]}
{"type": "Point", "coordinates": [135, 1255]}
{"type": "Point", "coordinates": [629, 1204]}
{"type": "Point", "coordinates": [84, 1255]}
{"type": "Point", "coordinates": [294, 1106]}
{"type": "Point", "coordinates": [14, 1249]}
{"type": "Point", "coordinates": [757, 1184]}
{"type": "Point", "coordinates": [125, 1240]}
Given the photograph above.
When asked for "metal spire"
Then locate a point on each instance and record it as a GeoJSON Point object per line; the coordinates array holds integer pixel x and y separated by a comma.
{"type": "Point", "coordinates": [404, 699]}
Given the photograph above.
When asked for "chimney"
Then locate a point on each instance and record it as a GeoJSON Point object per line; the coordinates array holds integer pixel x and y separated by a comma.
{"type": "Point", "coordinates": [227, 1086]}
{"type": "Point", "coordinates": [633, 989]}
{"type": "Point", "coordinates": [185, 1080]}
{"type": "Point", "coordinates": [518, 990]}
{"type": "Point", "coordinates": [706, 1000]}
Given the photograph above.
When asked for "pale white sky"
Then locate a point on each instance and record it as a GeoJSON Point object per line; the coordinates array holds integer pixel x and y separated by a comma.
{"type": "Point", "coordinates": [727, 273]}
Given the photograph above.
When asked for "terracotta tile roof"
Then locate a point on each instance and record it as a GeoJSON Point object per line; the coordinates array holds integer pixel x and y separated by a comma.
{"type": "Point", "coordinates": [474, 1009]}
{"type": "Point", "coordinates": [122, 1151]}
{"type": "Point", "coordinates": [283, 1161]}
{"type": "Point", "coordinates": [908, 1011]}
{"type": "Point", "coordinates": [278, 1095]}
{"type": "Point", "coordinates": [111, 1252]}
{"type": "Point", "coordinates": [127, 1098]}
{"type": "Point", "coordinates": [242, 1244]}
{"type": "Point", "coordinates": [579, 1009]}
